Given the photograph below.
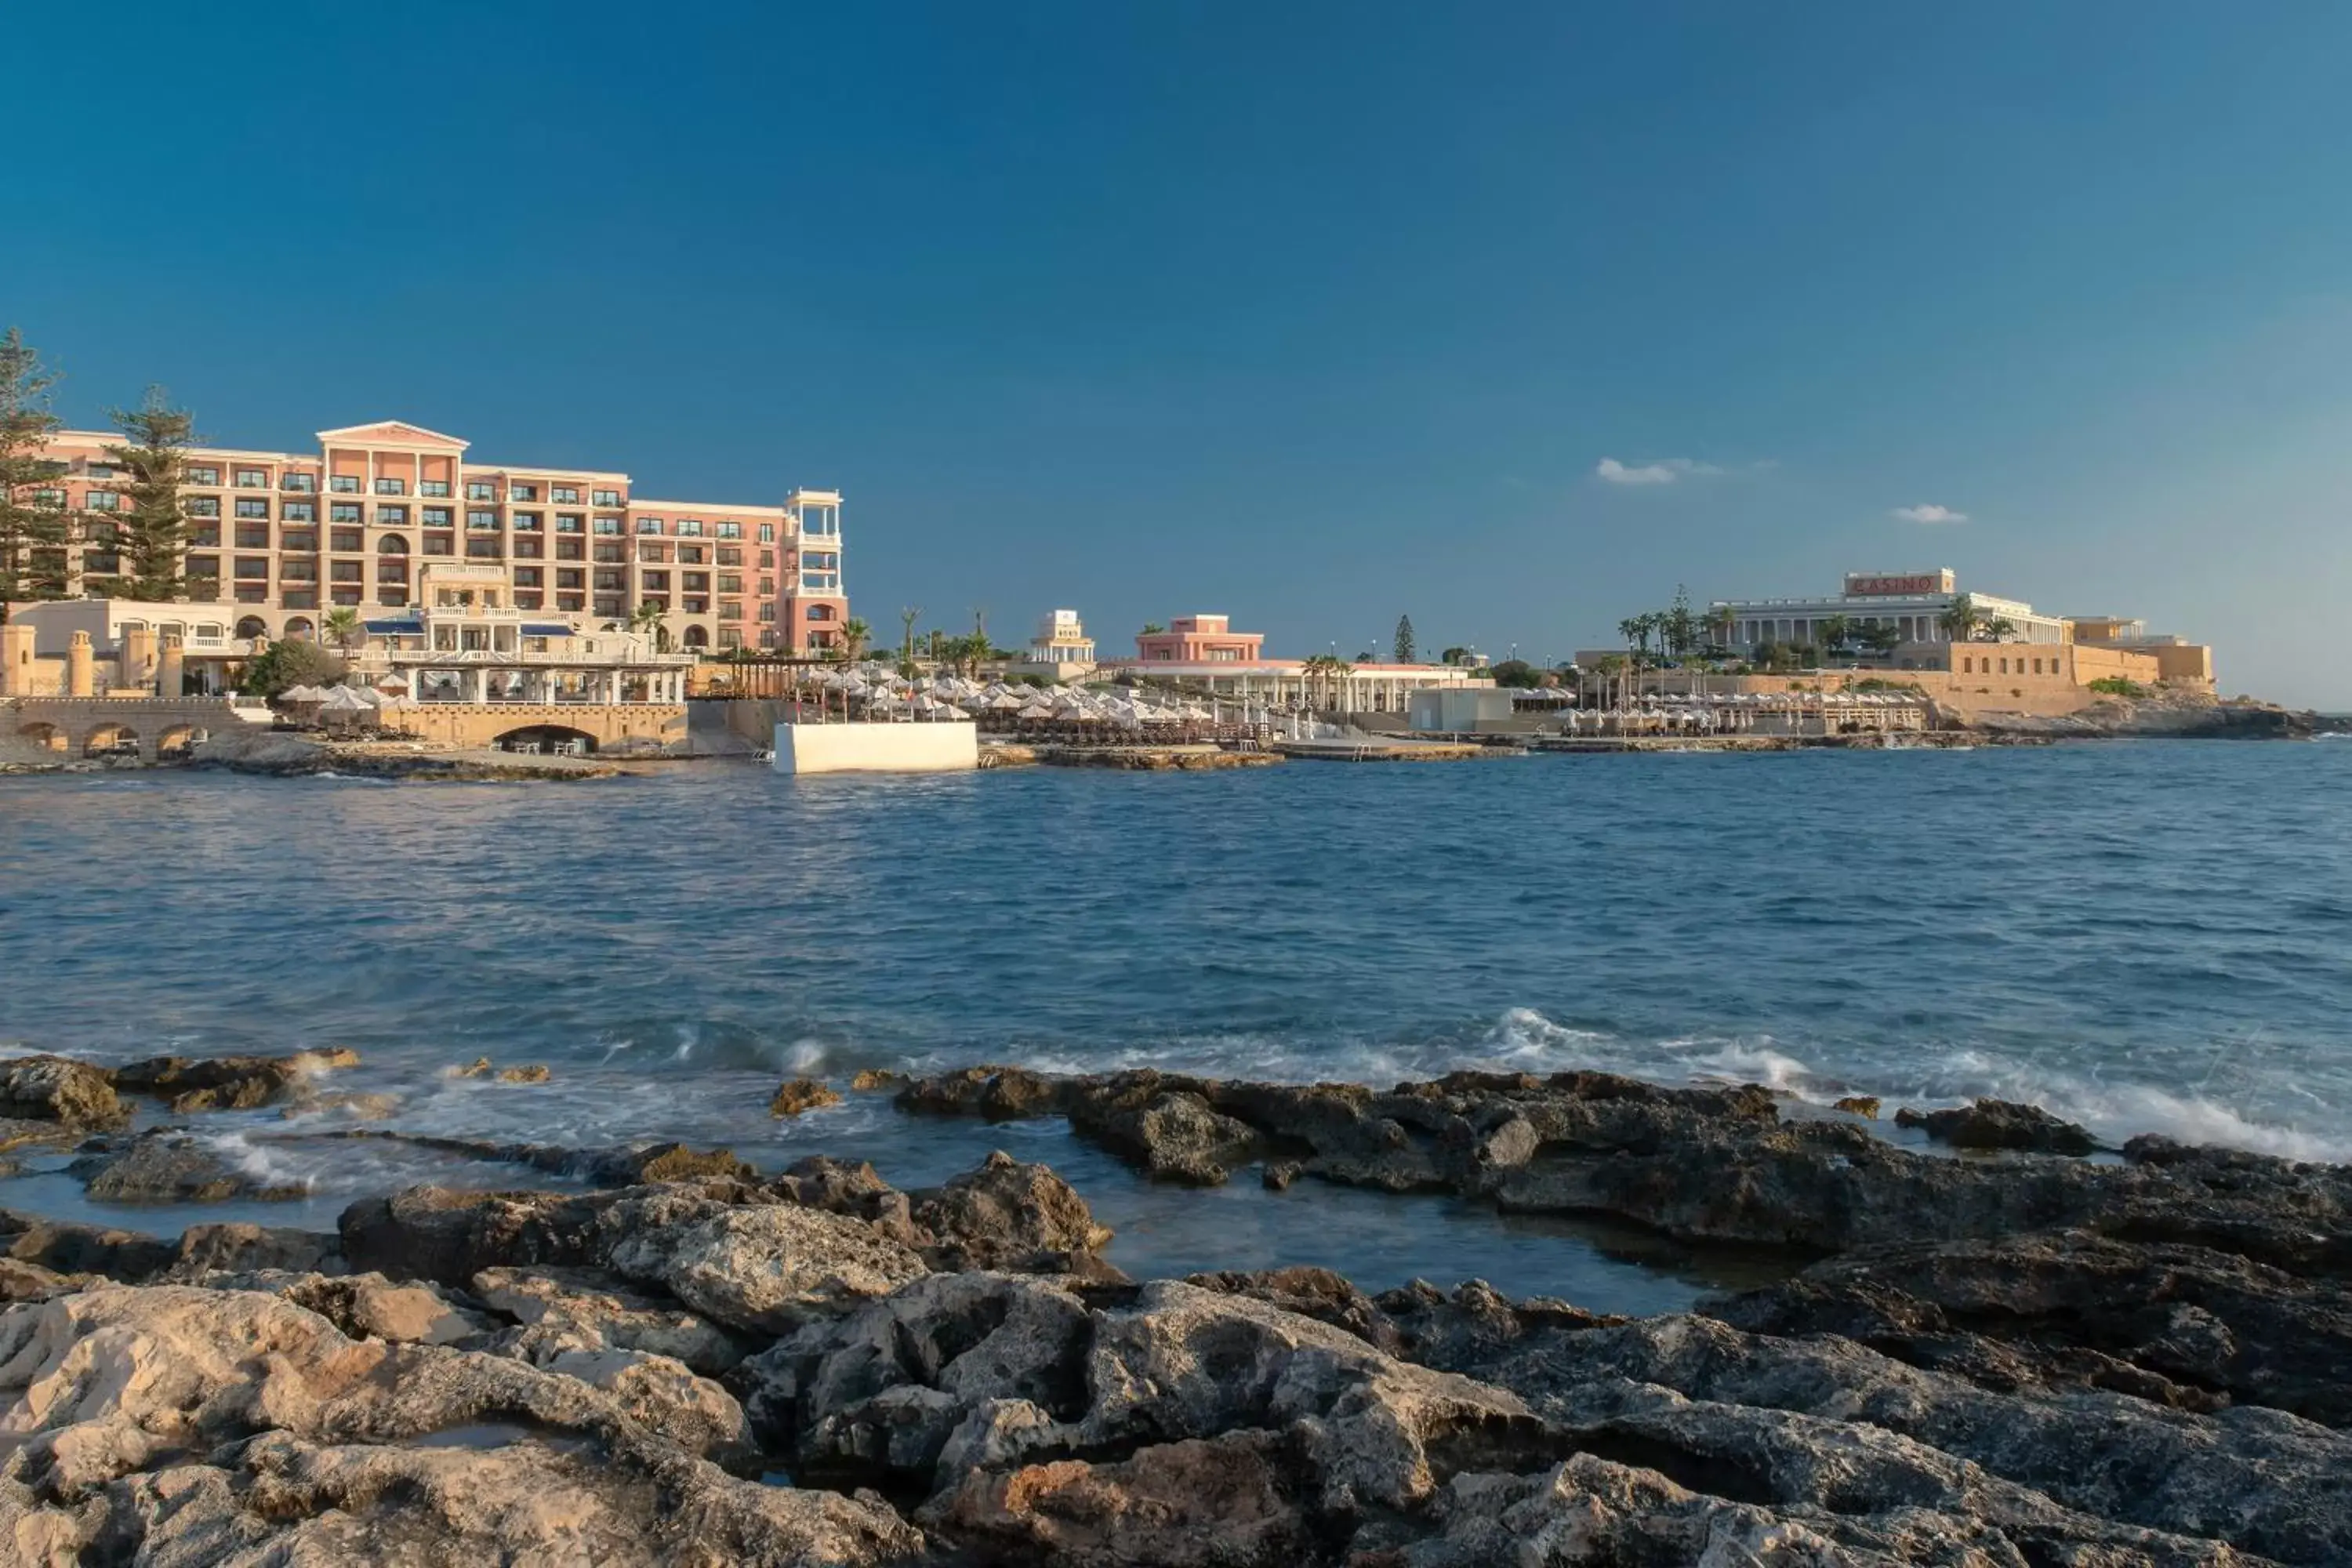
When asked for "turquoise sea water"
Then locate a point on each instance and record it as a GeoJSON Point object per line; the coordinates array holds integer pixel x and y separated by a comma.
{"type": "Point", "coordinates": [2143, 936]}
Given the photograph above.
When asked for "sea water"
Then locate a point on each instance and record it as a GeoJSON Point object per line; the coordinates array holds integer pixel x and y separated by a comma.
{"type": "Point", "coordinates": [2141, 936]}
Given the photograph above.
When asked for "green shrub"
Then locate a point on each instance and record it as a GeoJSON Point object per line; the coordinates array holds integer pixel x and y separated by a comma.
{"type": "Point", "coordinates": [2117, 686]}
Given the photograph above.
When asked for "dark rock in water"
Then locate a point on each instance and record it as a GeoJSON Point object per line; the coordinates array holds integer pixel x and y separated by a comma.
{"type": "Point", "coordinates": [869, 1079]}
{"type": "Point", "coordinates": [996, 1093]}
{"type": "Point", "coordinates": [1275, 1175]}
{"type": "Point", "coordinates": [227, 1083]}
{"type": "Point", "coordinates": [1010, 1215]}
{"type": "Point", "coordinates": [2182, 1326]}
{"type": "Point", "coordinates": [1862, 1105]}
{"type": "Point", "coordinates": [16, 1134]}
{"type": "Point", "coordinates": [238, 1247]}
{"type": "Point", "coordinates": [1172, 1134]}
{"type": "Point", "coordinates": [667, 1162]}
{"type": "Point", "coordinates": [60, 1089]}
{"type": "Point", "coordinates": [83, 1248]}
{"type": "Point", "coordinates": [168, 1166]}
{"type": "Point", "coordinates": [1998, 1124]}
{"type": "Point", "coordinates": [448, 1236]}
{"type": "Point", "coordinates": [800, 1094]}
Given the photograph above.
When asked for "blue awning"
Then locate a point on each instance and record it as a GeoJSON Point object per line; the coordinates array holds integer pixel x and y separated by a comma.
{"type": "Point", "coordinates": [545, 629]}
{"type": "Point", "coordinates": [394, 628]}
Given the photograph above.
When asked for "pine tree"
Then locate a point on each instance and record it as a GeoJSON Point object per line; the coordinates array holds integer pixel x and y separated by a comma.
{"type": "Point", "coordinates": [1404, 649]}
{"type": "Point", "coordinates": [33, 536]}
{"type": "Point", "coordinates": [149, 534]}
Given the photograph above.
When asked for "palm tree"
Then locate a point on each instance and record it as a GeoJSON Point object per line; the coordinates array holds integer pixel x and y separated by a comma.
{"type": "Point", "coordinates": [1998, 629]}
{"type": "Point", "coordinates": [1835, 631]}
{"type": "Point", "coordinates": [1724, 621]}
{"type": "Point", "coordinates": [908, 616]}
{"type": "Point", "coordinates": [1959, 620]}
{"type": "Point", "coordinates": [647, 619]}
{"type": "Point", "coordinates": [854, 635]}
{"type": "Point", "coordinates": [342, 624]}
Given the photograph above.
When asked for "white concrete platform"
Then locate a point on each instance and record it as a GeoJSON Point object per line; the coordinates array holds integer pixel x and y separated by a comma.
{"type": "Point", "coordinates": [923, 747]}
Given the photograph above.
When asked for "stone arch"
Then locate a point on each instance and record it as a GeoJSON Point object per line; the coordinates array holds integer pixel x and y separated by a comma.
{"type": "Point", "coordinates": [696, 636]}
{"type": "Point", "coordinates": [43, 734]}
{"type": "Point", "coordinates": [820, 612]}
{"type": "Point", "coordinates": [545, 737]}
{"type": "Point", "coordinates": [179, 742]}
{"type": "Point", "coordinates": [105, 740]}
{"type": "Point", "coordinates": [301, 630]}
{"type": "Point", "coordinates": [252, 626]}
{"type": "Point", "coordinates": [392, 544]}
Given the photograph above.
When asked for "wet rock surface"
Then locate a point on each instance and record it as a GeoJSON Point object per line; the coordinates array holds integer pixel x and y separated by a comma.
{"type": "Point", "coordinates": [168, 1166]}
{"type": "Point", "coordinates": [2147, 1361]}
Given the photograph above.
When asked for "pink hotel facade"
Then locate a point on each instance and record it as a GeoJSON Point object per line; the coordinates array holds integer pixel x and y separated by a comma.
{"type": "Point", "coordinates": [278, 539]}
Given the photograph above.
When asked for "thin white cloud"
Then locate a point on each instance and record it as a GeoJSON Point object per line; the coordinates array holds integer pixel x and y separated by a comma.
{"type": "Point", "coordinates": [1663, 471]}
{"type": "Point", "coordinates": [1929, 512]}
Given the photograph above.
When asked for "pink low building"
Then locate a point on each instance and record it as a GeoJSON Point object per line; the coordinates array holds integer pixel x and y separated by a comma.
{"type": "Point", "coordinates": [1200, 639]}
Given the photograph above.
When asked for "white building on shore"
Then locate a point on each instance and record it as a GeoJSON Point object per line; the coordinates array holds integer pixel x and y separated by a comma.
{"type": "Point", "coordinates": [1914, 603]}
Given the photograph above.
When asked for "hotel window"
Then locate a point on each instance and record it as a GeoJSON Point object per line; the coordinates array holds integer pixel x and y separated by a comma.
{"type": "Point", "coordinates": [206, 567]}
{"type": "Point", "coordinates": [249, 567]}
{"type": "Point", "coordinates": [527, 521]}
{"type": "Point", "coordinates": [689, 556]}
{"type": "Point", "coordinates": [486, 520]}
{"type": "Point", "coordinates": [567, 493]}
{"type": "Point", "coordinates": [97, 470]}
{"type": "Point", "coordinates": [571, 550]}
{"type": "Point", "coordinates": [767, 613]}
{"type": "Point", "coordinates": [567, 522]}
{"type": "Point", "coordinates": [653, 550]}
{"type": "Point", "coordinates": [205, 536]}
{"type": "Point", "coordinates": [392, 517]}
{"type": "Point", "coordinates": [608, 582]}
{"type": "Point", "coordinates": [343, 511]}
{"type": "Point", "coordinates": [767, 639]}
{"type": "Point", "coordinates": [615, 554]}
{"type": "Point", "coordinates": [649, 525]}
{"type": "Point", "coordinates": [767, 533]}
{"type": "Point", "coordinates": [301, 542]}
{"type": "Point", "coordinates": [690, 528]}
{"type": "Point", "coordinates": [297, 572]}
{"type": "Point", "coordinates": [820, 582]}
{"type": "Point", "coordinates": [527, 577]}
{"type": "Point", "coordinates": [767, 587]}
{"type": "Point", "coordinates": [433, 487]}
{"type": "Point", "coordinates": [523, 492]}
{"type": "Point", "coordinates": [101, 500]}
{"type": "Point", "coordinates": [727, 635]}
{"type": "Point", "coordinates": [57, 498]}
{"type": "Point", "coordinates": [482, 549]}
{"type": "Point", "coordinates": [439, 544]}
{"type": "Point", "coordinates": [730, 555]}
{"type": "Point", "coordinates": [252, 508]}
{"type": "Point", "coordinates": [299, 511]}
{"type": "Point", "coordinates": [201, 477]}
{"type": "Point", "coordinates": [654, 582]}
{"type": "Point", "coordinates": [480, 490]}
{"type": "Point", "coordinates": [527, 547]}
{"type": "Point", "coordinates": [344, 484]}
{"type": "Point", "coordinates": [821, 561]}
{"type": "Point", "coordinates": [299, 484]}
{"type": "Point", "coordinates": [695, 581]}
{"type": "Point", "coordinates": [694, 606]}
{"type": "Point", "coordinates": [731, 531]}
{"type": "Point", "coordinates": [604, 497]}
{"type": "Point", "coordinates": [767, 560]}
{"type": "Point", "coordinates": [730, 610]}
{"type": "Point", "coordinates": [345, 538]}
{"type": "Point", "coordinates": [731, 581]}
{"type": "Point", "coordinates": [603, 524]}
{"type": "Point", "coordinates": [253, 479]}
{"type": "Point", "coordinates": [391, 486]}
{"type": "Point", "coordinates": [202, 506]}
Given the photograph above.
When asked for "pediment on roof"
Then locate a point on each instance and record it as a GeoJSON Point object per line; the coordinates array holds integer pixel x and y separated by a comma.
{"type": "Point", "coordinates": [389, 433]}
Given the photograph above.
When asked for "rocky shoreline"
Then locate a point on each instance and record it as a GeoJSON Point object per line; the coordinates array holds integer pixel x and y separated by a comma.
{"type": "Point", "coordinates": [2020, 1350]}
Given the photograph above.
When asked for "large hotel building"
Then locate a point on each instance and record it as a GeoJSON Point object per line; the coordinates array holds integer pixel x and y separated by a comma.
{"type": "Point", "coordinates": [279, 538]}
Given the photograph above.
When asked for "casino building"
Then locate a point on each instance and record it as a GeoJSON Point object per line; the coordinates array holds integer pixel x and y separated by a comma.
{"type": "Point", "coordinates": [1914, 603]}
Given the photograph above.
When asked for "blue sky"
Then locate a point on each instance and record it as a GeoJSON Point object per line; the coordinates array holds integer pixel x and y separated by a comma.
{"type": "Point", "coordinates": [1311, 313]}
